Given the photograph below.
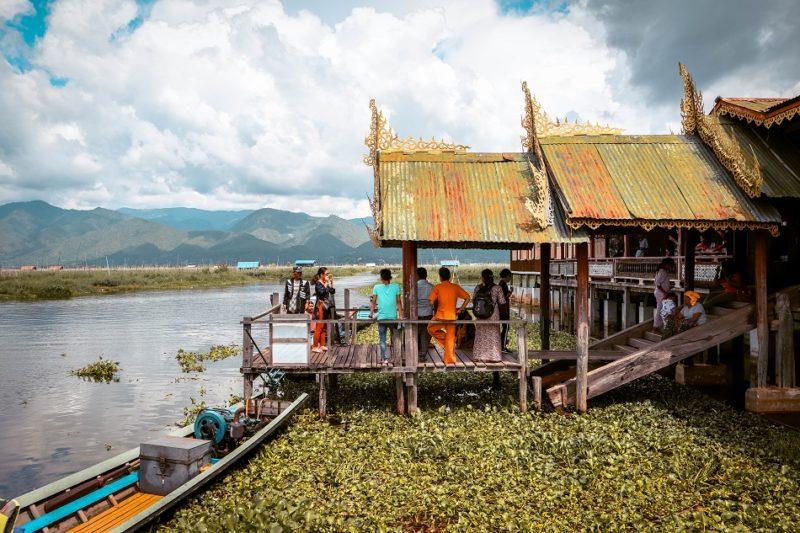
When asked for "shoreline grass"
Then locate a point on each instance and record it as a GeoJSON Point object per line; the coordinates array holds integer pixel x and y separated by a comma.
{"type": "Point", "coordinates": [64, 284]}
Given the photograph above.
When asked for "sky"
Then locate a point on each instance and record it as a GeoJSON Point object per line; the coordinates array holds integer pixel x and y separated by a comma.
{"type": "Point", "coordinates": [242, 104]}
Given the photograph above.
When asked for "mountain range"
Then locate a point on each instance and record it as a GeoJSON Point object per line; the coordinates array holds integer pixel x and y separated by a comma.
{"type": "Point", "coordinates": [41, 234]}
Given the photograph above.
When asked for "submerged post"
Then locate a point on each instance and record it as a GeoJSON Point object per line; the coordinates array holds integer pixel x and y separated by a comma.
{"type": "Point", "coordinates": [762, 313]}
{"type": "Point", "coordinates": [522, 354]}
{"type": "Point", "coordinates": [582, 324]}
{"type": "Point", "coordinates": [247, 357]}
{"type": "Point", "coordinates": [544, 297]}
{"type": "Point", "coordinates": [411, 351]}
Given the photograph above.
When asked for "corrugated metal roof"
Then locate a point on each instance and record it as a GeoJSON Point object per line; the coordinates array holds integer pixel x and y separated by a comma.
{"type": "Point", "coordinates": [458, 199]}
{"type": "Point", "coordinates": [659, 179]}
{"type": "Point", "coordinates": [761, 111]}
{"type": "Point", "coordinates": [777, 158]}
{"type": "Point", "coordinates": [754, 104]}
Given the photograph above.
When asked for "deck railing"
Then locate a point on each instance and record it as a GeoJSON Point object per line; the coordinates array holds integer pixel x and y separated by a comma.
{"type": "Point", "coordinates": [641, 269]}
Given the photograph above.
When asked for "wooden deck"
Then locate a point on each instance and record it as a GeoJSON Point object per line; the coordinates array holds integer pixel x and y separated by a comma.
{"type": "Point", "coordinates": [366, 357]}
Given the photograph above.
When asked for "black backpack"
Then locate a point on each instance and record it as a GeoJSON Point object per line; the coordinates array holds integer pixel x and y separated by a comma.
{"type": "Point", "coordinates": [482, 306]}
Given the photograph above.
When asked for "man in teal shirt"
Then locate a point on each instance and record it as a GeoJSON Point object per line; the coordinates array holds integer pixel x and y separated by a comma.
{"type": "Point", "coordinates": [386, 296]}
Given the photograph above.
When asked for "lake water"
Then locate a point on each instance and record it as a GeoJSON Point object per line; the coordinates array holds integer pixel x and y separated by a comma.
{"type": "Point", "coordinates": [53, 423]}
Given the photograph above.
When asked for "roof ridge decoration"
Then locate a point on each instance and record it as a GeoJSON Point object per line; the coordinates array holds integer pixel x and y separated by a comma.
{"type": "Point", "coordinates": [382, 137]}
{"type": "Point", "coordinates": [694, 121]}
{"type": "Point", "coordinates": [544, 126]}
{"type": "Point", "coordinates": [728, 106]}
{"type": "Point", "coordinates": [538, 203]}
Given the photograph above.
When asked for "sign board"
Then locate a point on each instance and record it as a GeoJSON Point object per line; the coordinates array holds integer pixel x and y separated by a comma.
{"type": "Point", "coordinates": [289, 340]}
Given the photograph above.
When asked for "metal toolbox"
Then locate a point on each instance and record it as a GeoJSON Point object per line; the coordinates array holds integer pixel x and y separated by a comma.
{"type": "Point", "coordinates": [169, 462]}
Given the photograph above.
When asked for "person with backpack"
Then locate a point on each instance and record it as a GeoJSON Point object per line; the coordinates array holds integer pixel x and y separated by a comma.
{"type": "Point", "coordinates": [487, 300]}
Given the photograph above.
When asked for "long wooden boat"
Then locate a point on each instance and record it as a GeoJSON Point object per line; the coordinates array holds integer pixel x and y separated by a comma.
{"type": "Point", "coordinates": [107, 496]}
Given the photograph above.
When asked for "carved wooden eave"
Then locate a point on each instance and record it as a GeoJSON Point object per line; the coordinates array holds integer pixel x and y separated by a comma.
{"type": "Point", "coordinates": [382, 138]}
{"type": "Point", "coordinates": [694, 121]}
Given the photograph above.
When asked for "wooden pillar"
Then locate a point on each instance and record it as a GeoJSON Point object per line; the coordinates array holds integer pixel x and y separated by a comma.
{"type": "Point", "coordinates": [689, 262]}
{"type": "Point", "coordinates": [609, 316]}
{"type": "Point", "coordinates": [536, 383]}
{"type": "Point", "coordinates": [582, 324]}
{"type": "Point", "coordinates": [627, 245]}
{"type": "Point", "coordinates": [736, 362]}
{"type": "Point", "coordinates": [784, 342]}
{"type": "Point", "coordinates": [522, 354]}
{"type": "Point", "coordinates": [762, 313]}
{"type": "Point", "coordinates": [629, 311]}
{"type": "Point", "coordinates": [247, 357]}
{"type": "Point", "coordinates": [561, 309]}
{"type": "Point", "coordinates": [544, 298]}
{"type": "Point", "coordinates": [322, 380]}
{"type": "Point", "coordinates": [346, 328]}
{"type": "Point", "coordinates": [411, 348]}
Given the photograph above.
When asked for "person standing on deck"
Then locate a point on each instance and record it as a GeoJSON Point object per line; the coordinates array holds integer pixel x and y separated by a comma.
{"type": "Point", "coordinates": [662, 287]}
{"type": "Point", "coordinates": [505, 308]}
{"type": "Point", "coordinates": [486, 301]}
{"type": "Point", "coordinates": [424, 310]}
{"type": "Point", "coordinates": [444, 298]}
{"type": "Point", "coordinates": [324, 290]}
{"type": "Point", "coordinates": [296, 293]}
{"type": "Point", "coordinates": [386, 296]}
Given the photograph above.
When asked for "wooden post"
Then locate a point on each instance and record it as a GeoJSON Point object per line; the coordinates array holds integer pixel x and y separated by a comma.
{"type": "Point", "coordinates": [411, 348]}
{"type": "Point", "coordinates": [247, 357]}
{"type": "Point", "coordinates": [627, 245]}
{"type": "Point", "coordinates": [582, 324]}
{"type": "Point", "coordinates": [736, 363]}
{"type": "Point", "coordinates": [544, 297]}
{"type": "Point", "coordinates": [629, 317]}
{"type": "Point", "coordinates": [522, 354]}
{"type": "Point", "coordinates": [399, 388]}
{"type": "Point", "coordinates": [689, 260]}
{"type": "Point", "coordinates": [536, 383]}
{"type": "Point", "coordinates": [561, 310]}
{"type": "Point", "coordinates": [762, 313]}
{"type": "Point", "coordinates": [347, 325]}
{"type": "Point", "coordinates": [322, 379]}
{"type": "Point", "coordinates": [784, 342]}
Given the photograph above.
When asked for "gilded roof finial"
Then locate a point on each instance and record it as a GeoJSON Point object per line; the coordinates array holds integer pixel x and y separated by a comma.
{"type": "Point", "coordinates": [694, 121]}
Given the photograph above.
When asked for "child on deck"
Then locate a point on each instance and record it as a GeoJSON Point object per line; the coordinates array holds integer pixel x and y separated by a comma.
{"type": "Point", "coordinates": [386, 295]}
{"type": "Point", "coordinates": [670, 315]}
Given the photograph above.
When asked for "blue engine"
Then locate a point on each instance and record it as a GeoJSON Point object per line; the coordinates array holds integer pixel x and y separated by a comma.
{"type": "Point", "coordinates": [216, 425]}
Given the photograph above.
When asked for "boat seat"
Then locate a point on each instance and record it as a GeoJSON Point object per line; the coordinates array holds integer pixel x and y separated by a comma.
{"type": "Point", "coordinates": [116, 515]}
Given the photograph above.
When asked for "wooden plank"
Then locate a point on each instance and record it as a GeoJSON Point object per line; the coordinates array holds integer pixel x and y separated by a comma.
{"type": "Point", "coordinates": [464, 358]}
{"type": "Point", "coordinates": [651, 359]}
{"type": "Point", "coordinates": [762, 313]}
{"type": "Point", "coordinates": [436, 356]}
{"type": "Point", "coordinates": [476, 362]}
{"type": "Point", "coordinates": [640, 343]}
{"type": "Point", "coordinates": [566, 355]}
{"type": "Point", "coordinates": [119, 513]}
{"type": "Point", "coordinates": [362, 355]}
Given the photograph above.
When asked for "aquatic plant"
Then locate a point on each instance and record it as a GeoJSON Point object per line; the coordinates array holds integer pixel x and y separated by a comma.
{"type": "Point", "coordinates": [193, 361]}
{"type": "Point", "coordinates": [650, 455]}
{"type": "Point", "coordinates": [101, 370]}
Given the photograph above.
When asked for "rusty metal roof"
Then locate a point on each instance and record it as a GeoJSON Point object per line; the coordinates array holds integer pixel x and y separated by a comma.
{"type": "Point", "coordinates": [760, 111]}
{"type": "Point", "coordinates": [777, 158]}
{"type": "Point", "coordinates": [652, 180]}
{"type": "Point", "coordinates": [452, 199]}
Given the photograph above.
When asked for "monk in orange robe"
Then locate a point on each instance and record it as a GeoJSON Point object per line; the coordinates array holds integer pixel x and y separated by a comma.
{"type": "Point", "coordinates": [444, 298]}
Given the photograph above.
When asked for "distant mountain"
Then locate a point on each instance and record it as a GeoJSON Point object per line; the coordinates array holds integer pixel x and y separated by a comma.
{"type": "Point", "coordinates": [188, 218]}
{"type": "Point", "coordinates": [41, 234]}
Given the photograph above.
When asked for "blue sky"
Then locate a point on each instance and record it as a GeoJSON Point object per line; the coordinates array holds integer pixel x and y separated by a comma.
{"type": "Point", "coordinates": [258, 103]}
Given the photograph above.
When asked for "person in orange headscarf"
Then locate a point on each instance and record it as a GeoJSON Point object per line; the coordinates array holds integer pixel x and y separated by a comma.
{"type": "Point", "coordinates": [444, 298]}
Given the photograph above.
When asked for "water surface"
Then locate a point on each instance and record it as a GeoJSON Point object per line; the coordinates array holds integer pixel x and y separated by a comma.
{"type": "Point", "coordinates": [53, 424]}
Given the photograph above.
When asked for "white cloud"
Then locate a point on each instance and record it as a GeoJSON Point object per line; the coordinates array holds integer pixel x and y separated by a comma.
{"type": "Point", "coordinates": [10, 8]}
{"type": "Point", "coordinates": [209, 105]}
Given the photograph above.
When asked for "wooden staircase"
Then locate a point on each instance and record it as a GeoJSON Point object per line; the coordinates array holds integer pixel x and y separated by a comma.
{"type": "Point", "coordinates": [646, 352]}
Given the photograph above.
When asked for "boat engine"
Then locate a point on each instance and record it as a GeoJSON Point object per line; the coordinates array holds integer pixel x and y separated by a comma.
{"type": "Point", "coordinates": [223, 427]}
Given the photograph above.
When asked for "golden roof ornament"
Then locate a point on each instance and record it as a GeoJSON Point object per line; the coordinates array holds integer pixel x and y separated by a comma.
{"type": "Point", "coordinates": [544, 126]}
{"type": "Point", "coordinates": [538, 203]}
{"type": "Point", "coordinates": [694, 121]}
{"type": "Point", "coordinates": [382, 137]}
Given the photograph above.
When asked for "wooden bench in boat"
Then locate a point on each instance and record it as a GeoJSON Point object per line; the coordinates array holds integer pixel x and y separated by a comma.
{"type": "Point", "coordinates": [118, 514]}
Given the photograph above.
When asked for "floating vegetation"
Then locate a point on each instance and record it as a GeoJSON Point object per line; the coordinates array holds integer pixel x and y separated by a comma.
{"type": "Point", "coordinates": [101, 370]}
{"type": "Point", "coordinates": [650, 455]}
{"type": "Point", "coordinates": [190, 412]}
{"type": "Point", "coordinates": [193, 361]}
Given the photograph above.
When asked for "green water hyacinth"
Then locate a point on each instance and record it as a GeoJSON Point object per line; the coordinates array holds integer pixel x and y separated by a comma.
{"type": "Point", "coordinates": [101, 370]}
{"type": "Point", "coordinates": [651, 455]}
{"type": "Point", "coordinates": [193, 361]}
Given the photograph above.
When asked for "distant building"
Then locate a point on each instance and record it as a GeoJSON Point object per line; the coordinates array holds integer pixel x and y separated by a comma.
{"type": "Point", "coordinates": [450, 263]}
{"type": "Point", "coordinates": [55, 267]}
{"type": "Point", "coordinates": [305, 262]}
{"type": "Point", "coordinates": [28, 267]}
{"type": "Point", "coordinates": [369, 264]}
{"type": "Point", "coordinates": [247, 265]}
